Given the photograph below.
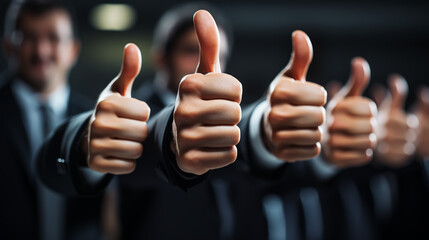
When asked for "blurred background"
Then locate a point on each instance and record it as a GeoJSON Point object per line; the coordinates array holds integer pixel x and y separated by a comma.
{"type": "Point", "coordinates": [392, 35]}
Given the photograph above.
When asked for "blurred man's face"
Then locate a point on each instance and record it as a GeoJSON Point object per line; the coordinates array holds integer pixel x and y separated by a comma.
{"type": "Point", "coordinates": [45, 49]}
{"type": "Point", "coordinates": [185, 56]}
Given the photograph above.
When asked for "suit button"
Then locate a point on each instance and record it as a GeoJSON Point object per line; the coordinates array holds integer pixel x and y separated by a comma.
{"type": "Point", "coordinates": [61, 166]}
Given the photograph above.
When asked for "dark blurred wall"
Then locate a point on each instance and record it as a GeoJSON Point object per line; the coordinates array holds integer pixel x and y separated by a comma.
{"type": "Point", "coordinates": [392, 35]}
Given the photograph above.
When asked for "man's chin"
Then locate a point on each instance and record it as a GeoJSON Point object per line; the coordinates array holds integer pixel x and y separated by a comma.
{"type": "Point", "coordinates": [38, 82]}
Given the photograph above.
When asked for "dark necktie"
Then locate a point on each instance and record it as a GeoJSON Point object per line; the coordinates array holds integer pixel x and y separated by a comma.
{"type": "Point", "coordinates": [51, 205]}
{"type": "Point", "coordinates": [47, 120]}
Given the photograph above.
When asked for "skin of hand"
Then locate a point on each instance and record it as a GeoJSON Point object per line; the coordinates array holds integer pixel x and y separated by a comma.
{"type": "Point", "coordinates": [118, 125]}
{"type": "Point", "coordinates": [207, 108]}
{"type": "Point", "coordinates": [396, 132]}
{"type": "Point", "coordinates": [423, 130]}
{"type": "Point", "coordinates": [292, 122]}
{"type": "Point", "coordinates": [350, 138]}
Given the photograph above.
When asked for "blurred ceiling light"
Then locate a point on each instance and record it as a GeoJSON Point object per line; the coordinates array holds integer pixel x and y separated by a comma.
{"type": "Point", "coordinates": [113, 17]}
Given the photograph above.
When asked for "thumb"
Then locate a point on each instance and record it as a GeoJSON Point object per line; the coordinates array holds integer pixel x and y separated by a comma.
{"type": "Point", "coordinates": [359, 78]}
{"type": "Point", "coordinates": [423, 101]}
{"type": "Point", "coordinates": [208, 37]}
{"type": "Point", "coordinates": [399, 89]}
{"type": "Point", "coordinates": [302, 54]}
{"type": "Point", "coordinates": [131, 64]}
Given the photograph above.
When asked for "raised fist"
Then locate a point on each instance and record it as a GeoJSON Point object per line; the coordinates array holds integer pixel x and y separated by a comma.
{"type": "Point", "coordinates": [293, 120]}
{"type": "Point", "coordinates": [396, 132]}
{"type": "Point", "coordinates": [118, 124]}
{"type": "Point", "coordinates": [207, 109]}
{"type": "Point", "coordinates": [351, 120]}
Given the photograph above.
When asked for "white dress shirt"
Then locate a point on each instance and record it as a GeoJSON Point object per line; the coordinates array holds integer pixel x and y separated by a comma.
{"type": "Point", "coordinates": [30, 101]}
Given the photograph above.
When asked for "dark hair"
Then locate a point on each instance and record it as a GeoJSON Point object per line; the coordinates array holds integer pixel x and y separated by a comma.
{"type": "Point", "coordinates": [176, 21]}
{"type": "Point", "coordinates": [37, 7]}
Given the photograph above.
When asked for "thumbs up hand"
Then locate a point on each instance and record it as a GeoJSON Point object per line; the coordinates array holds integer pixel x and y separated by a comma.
{"type": "Point", "coordinates": [207, 109]}
{"type": "Point", "coordinates": [423, 129]}
{"type": "Point", "coordinates": [350, 124]}
{"type": "Point", "coordinates": [396, 132]}
{"type": "Point", "coordinates": [292, 121]}
{"type": "Point", "coordinates": [118, 123]}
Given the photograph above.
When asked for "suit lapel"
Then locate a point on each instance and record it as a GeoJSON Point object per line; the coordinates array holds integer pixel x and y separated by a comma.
{"type": "Point", "coordinates": [14, 126]}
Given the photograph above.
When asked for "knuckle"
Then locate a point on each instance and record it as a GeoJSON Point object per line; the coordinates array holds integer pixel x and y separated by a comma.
{"type": "Point", "coordinates": [324, 96]}
{"type": "Point", "coordinates": [186, 112]}
{"type": "Point", "coordinates": [282, 153]}
{"type": "Point", "coordinates": [373, 140]}
{"type": "Point", "coordinates": [321, 116]}
{"type": "Point", "coordinates": [368, 143]}
{"type": "Point", "coordinates": [106, 105]}
{"type": "Point", "coordinates": [144, 131]}
{"type": "Point", "coordinates": [237, 88]}
{"type": "Point", "coordinates": [145, 110]}
{"type": "Point", "coordinates": [129, 166]}
{"type": "Point", "coordinates": [317, 150]}
{"type": "Point", "coordinates": [373, 124]}
{"type": "Point", "coordinates": [236, 135]}
{"type": "Point", "coordinates": [100, 125]}
{"type": "Point", "coordinates": [137, 151]}
{"type": "Point", "coordinates": [231, 155]}
{"type": "Point", "coordinates": [332, 141]}
{"type": "Point", "coordinates": [97, 124]}
{"type": "Point", "coordinates": [191, 161]}
{"type": "Point", "coordinates": [277, 137]}
{"type": "Point", "coordinates": [281, 94]}
{"type": "Point", "coordinates": [189, 84]}
{"type": "Point", "coordinates": [280, 137]}
{"type": "Point", "coordinates": [319, 92]}
{"type": "Point", "coordinates": [188, 135]}
{"type": "Point", "coordinates": [276, 115]}
{"type": "Point", "coordinates": [236, 113]}
{"type": "Point", "coordinates": [318, 135]}
{"type": "Point", "coordinates": [95, 145]}
{"type": "Point", "coordinates": [97, 164]}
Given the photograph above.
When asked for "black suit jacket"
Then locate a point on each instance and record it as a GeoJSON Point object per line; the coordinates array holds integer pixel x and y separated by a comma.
{"type": "Point", "coordinates": [227, 206]}
{"type": "Point", "coordinates": [311, 204]}
{"type": "Point", "coordinates": [18, 201]}
{"type": "Point", "coordinates": [151, 204]}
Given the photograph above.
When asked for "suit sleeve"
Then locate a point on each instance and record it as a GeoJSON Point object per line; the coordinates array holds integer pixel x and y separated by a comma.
{"type": "Point", "coordinates": [160, 131]}
{"type": "Point", "coordinates": [61, 163]}
{"type": "Point", "coordinates": [247, 160]}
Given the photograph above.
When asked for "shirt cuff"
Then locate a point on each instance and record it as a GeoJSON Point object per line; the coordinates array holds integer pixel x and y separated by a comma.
{"type": "Point", "coordinates": [323, 169]}
{"type": "Point", "coordinates": [264, 158]}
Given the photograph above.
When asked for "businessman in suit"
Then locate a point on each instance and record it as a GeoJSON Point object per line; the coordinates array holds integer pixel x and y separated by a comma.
{"type": "Point", "coordinates": [177, 172]}
{"type": "Point", "coordinates": [42, 47]}
{"type": "Point", "coordinates": [290, 122]}
{"type": "Point", "coordinates": [150, 207]}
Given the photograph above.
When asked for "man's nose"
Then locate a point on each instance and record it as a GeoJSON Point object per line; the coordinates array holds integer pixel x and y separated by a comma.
{"type": "Point", "coordinates": [42, 47]}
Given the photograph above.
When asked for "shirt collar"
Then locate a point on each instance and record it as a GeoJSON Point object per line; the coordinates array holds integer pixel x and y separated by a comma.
{"type": "Point", "coordinates": [56, 100]}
